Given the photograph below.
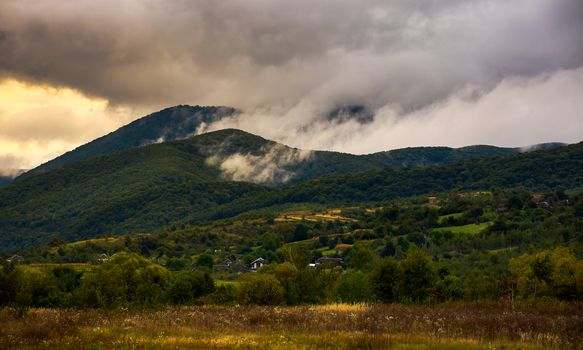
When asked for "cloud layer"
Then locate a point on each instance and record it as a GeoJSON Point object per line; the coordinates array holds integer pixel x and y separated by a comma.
{"type": "Point", "coordinates": [517, 112]}
{"type": "Point", "coordinates": [430, 71]}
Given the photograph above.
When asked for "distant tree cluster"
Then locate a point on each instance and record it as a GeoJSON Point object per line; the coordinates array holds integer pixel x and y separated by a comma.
{"type": "Point", "coordinates": [125, 280]}
{"type": "Point", "coordinates": [129, 280]}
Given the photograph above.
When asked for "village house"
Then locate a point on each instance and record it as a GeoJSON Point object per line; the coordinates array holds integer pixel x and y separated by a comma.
{"type": "Point", "coordinates": [257, 263]}
{"type": "Point", "coordinates": [102, 257]}
{"type": "Point", "coordinates": [18, 259]}
{"type": "Point", "coordinates": [226, 265]}
{"type": "Point", "coordinates": [325, 261]}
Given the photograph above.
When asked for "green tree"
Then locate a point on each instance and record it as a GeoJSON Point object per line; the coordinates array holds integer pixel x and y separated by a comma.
{"type": "Point", "coordinates": [286, 275]}
{"type": "Point", "coordinates": [124, 280]}
{"type": "Point", "coordinates": [547, 273]}
{"type": "Point", "coordinates": [450, 287]}
{"type": "Point", "coordinates": [354, 287]}
{"type": "Point", "coordinates": [386, 278]}
{"type": "Point", "coordinates": [418, 276]}
{"type": "Point", "coordinates": [187, 286]}
{"type": "Point", "coordinates": [260, 289]}
{"type": "Point", "coordinates": [296, 254]}
{"type": "Point", "coordinates": [388, 249]}
{"type": "Point", "coordinates": [301, 232]}
{"type": "Point", "coordinates": [204, 260]}
{"type": "Point", "coordinates": [564, 275]}
{"type": "Point", "coordinates": [361, 258]}
{"type": "Point", "coordinates": [9, 278]}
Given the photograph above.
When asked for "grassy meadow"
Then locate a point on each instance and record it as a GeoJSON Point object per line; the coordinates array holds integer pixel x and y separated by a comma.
{"type": "Point", "coordinates": [335, 326]}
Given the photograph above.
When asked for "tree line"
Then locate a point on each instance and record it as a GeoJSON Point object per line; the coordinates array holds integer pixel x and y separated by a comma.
{"type": "Point", "coordinates": [130, 280]}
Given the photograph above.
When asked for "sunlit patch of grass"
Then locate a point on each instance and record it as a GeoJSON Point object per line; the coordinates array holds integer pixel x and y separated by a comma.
{"type": "Point", "coordinates": [343, 246]}
{"type": "Point", "coordinates": [341, 307]}
{"type": "Point", "coordinates": [107, 240]}
{"type": "Point", "coordinates": [329, 215]}
{"type": "Point", "coordinates": [226, 283]}
{"type": "Point", "coordinates": [471, 229]}
{"type": "Point", "coordinates": [297, 341]}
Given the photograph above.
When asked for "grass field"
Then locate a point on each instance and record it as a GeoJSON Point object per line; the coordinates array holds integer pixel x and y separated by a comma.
{"type": "Point", "coordinates": [443, 218]}
{"type": "Point", "coordinates": [471, 229]}
{"type": "Point", "coordinates": [447, 326]}
{"type": "Point", "coordinates": [306, 215]}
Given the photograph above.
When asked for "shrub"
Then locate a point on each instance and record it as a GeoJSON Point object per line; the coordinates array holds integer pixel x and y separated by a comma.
{"type": "Point", "coordinates": [354, 287]}
{"type": "Point", "coordinates": [224, 294]}
{"type": "Point", "coordinates": [418, 276]}
{"type": "Point", "coordinates": [124, 280]}
{"type": "Point", "coordinates": [385, 279]}
{"type": "Point", "coordinates": [260, 289]}
{"type": "Point", "coordinates": [186, 287]}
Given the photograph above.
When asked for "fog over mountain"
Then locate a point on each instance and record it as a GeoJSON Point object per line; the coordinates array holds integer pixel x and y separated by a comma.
{"type": "Point", "coordinates": [427, 72]}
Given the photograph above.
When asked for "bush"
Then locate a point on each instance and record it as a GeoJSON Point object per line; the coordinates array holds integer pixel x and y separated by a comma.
{"type": "Point", "coordinates": [204, 260]}
{"type": "Point", "coordinates": [418, 276]}
{"type": "Point", "coordinates": [260, 289]}
{"type": "Point", "coordinates": [354, 287]}
{"type": "Point", "coordinates": [186, 287]}
{"type": "Point", "coordinates": [124, 280]}
{"type": "Point", "coordinates": [386, 278]}
{"type": "Point", "coordinates": [9, 277]}
{"type": "Point", "coordinates": [224, 294]}
{"type": "Point", "coordinates": [361, 257]}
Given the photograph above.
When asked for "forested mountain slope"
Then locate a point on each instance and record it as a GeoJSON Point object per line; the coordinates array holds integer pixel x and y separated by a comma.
{"type": "Point", "coordinates": [209, 176]}
{"type": "Point", "coordinates": [169, 124]}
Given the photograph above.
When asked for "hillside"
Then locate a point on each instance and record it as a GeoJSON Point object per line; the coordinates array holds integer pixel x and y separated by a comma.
{"type": "Point", "coordinates": [208, 177]}
{"type": "Point", "coordinates": [169, 124]}
{"type": "Point", "coordinates": [138, 189]}
{"type": "Point", "coordinates": [541, 170]}
{"type": "Point", "coordinates": [538, 170]}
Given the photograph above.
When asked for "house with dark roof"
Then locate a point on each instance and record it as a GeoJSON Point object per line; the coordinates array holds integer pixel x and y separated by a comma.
{"type": "Point", "coordinates": [226, 265]}
{"type": "Point", "coordinates": [18, 259]}
{"type": "Point", "coordinates": [257, 263]}
{"type": "Point", "coordinates": [329, 262]}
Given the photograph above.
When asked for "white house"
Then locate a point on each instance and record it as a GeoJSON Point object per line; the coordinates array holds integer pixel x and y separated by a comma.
{"type": "Point", "coordinates": [257, 263]}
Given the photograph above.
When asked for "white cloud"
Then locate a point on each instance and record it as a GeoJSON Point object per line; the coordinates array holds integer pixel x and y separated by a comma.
{"type": "Point", "coordinates": [272, 165]}
{"type": "Point", "coordinates": [289, 63]}
{"type": "Point", "coordinates": [517, 112]}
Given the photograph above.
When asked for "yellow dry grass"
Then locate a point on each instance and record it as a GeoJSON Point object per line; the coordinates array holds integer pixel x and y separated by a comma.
{"type": "Point", "coordinates": [341, 307]}
{"type": "Point", "coordinates": [335, 326]}
{"type": "Point", "coordinates": [329, 215]}
{"type": "Point", "coordinates": [343, 246]}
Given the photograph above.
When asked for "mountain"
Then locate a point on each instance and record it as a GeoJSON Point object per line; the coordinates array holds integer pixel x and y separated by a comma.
{"type": "Point", "coordinates": [211, 176]}
{"type": "Point", "coordinates": [180, 122]}
{"type": "Point", "coordinates": [169, 124]}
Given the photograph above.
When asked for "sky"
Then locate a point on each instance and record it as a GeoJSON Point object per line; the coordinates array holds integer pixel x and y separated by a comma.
{"type": "Point", "coordinates": [427, 72]}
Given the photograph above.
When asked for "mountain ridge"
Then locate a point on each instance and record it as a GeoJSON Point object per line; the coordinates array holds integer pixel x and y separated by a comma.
{"type": "Point", "coordinates": [147, 188]}
{"type": "Point", "coordinates": [184, 121]}
{"type": "Point", "coordinates": [171, 123]}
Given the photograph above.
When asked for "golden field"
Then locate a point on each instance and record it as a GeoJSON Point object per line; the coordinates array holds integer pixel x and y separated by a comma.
{"type": "Point", "coordinates": [335, 326]}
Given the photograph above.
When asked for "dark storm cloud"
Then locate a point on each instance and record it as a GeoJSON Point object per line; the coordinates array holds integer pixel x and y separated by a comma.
{"type": "Point", "coordinates": [289, 64]}
{"type": "Point", "coordinates": [261, 52]}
